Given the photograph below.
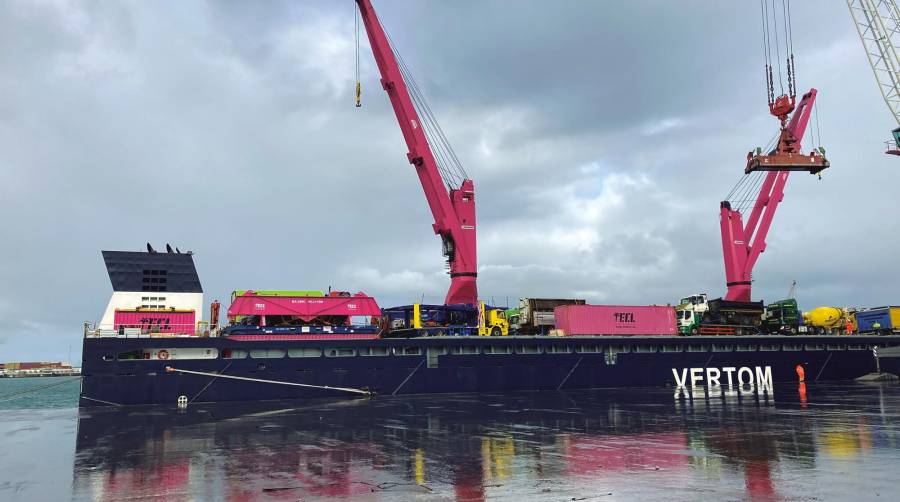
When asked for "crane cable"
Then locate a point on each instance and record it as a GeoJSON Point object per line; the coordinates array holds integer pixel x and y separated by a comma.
{"type": "Point", "coordinates": [744, 194]}
{"type": "Point", "coordinates": [769, 14]}
{"type": "Point", "coordinates": [356, 40]}
{"type": "Point", "coordinates": [449, 167]}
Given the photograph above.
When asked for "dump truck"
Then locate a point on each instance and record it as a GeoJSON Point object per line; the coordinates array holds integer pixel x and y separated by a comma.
{"type": "Point", "coordinates": [828, 320]}
{"type": "Point", "coordinates": [534, 316]}
{"type": "Point", "coordinates": [697, 315]}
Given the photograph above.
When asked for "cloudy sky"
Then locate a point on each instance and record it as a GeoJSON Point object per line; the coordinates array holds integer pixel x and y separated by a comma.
{"type": "Point", "coordinates": [601, 137]}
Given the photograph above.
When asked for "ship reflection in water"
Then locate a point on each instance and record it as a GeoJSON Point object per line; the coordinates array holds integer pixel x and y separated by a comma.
{"type": "Point", "coordinates": [808, 443]}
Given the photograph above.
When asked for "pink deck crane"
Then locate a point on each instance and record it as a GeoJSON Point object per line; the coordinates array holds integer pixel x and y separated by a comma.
{"type": "Point", "coordinates": [452, 202]}
{"type": "Point", "coordinates": [742, 244]}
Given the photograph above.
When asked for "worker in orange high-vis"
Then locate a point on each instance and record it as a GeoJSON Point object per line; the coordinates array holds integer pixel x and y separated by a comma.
{"type": "Point", "coordinates": [848, 329]}
{"type": "Point", "coordinates": [801, 373]}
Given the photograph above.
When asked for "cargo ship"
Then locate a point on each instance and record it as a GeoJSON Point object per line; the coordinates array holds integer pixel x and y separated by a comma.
{"type": "Point", "coordinates": [151, 347]}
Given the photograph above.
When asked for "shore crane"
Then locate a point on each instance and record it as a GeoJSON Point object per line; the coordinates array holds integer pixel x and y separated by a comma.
{"type": "Point", "coordinates": [449, 191]}
{"type": "Point", "coordinates": [878, 25]}
{"type": "Point", "coordinates": [768, 173]}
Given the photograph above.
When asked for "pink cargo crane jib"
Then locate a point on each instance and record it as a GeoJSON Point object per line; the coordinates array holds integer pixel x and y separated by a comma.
{"type": "Point", "coordinates": [454, 212]}
{"type": "Point", "coordinates": [742, 245]}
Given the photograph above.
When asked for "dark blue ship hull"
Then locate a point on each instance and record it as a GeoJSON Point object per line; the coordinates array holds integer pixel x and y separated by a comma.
{"type": "Point", "coordinates": [458, 364]}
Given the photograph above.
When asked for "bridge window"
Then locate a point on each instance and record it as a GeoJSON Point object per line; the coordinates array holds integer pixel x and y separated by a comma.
{"type": "Point", "coordinates": [234, 354]}
{"type": "Point", "coordinates": [464, 350]}
{"type": "Point", "coordinates": [528, 349]}
{"type": "Point", "coordinates": [340, 352]}
{"type": "Point", "coordinates": [375, 351]}
{"type": "Point", "coordinates": [717, 347]}
{"type": "Point", "coordinates": [588, 349]}
{"type": "Point", "coordinates": [559, 349]}
{"type": "Point", "coordinates": [154, 280]}
{"type": "Point", "coordinates": [408, 351]}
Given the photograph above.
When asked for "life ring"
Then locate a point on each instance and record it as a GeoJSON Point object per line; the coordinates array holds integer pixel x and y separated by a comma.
{"type": "Point", "coordinates": [162, 354]}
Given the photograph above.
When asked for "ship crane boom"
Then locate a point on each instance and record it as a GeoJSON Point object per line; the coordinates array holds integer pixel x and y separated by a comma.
{"type": "Point", "coordinates": [454, 209]}
{"type": "Point", "coordinates": [742, 244]}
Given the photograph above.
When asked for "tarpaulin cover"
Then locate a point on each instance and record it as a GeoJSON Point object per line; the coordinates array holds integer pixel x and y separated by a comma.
{"type": "Point", "coordinates": [304, 307]}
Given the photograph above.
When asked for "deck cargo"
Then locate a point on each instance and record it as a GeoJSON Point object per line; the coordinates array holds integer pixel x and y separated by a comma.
{"type": "Point", "coordinates": [878, 320]}
{"type": "Point", "coordinates": [615, 320]}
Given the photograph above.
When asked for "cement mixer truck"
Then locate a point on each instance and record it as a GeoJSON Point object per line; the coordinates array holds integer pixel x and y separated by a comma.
{"type": "Point", "coordinates": [829, 320]}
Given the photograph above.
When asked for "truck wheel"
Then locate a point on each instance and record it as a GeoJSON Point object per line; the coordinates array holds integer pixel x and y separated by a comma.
{"type": "Point", "coordinates": [496, 331]}
{"type": "Point", "coordinates": [695, 331]}
{"type": "Point", "coordinates": [793, 330]}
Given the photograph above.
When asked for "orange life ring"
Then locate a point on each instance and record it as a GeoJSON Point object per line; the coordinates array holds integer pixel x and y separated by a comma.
{"type": "Point", "coordinates": [162, 354]}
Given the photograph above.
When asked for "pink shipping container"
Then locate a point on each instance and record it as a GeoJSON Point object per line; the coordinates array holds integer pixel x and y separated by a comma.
{"type": "Point", "coordinates": [615, 320]}
{"type": "Point", "coordinates": [177, 321]}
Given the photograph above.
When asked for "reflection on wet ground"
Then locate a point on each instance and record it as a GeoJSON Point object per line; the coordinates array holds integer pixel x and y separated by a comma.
{"type": "Point", "coordinates": [826, 443]}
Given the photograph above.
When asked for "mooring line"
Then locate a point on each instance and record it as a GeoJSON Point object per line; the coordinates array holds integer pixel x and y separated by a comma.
{"type": "Point", "coordinates": [210, 382]}
{"type": "Point", "coordinates": [100, 401]}
{"type": "Point", "coordinates": [823, 366]}
{"type": "Point", "coordinates": [570, 373]}
{"type": "Point", "coordinates": [413, 372]}
{"type": "Point", "coordinates": [25, 392]}
{"type": "Point", "coordinates": [170, 369]}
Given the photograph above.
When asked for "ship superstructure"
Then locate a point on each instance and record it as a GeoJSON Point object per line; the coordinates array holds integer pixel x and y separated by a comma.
{"type": "Point", "coordinates": [152, 292]}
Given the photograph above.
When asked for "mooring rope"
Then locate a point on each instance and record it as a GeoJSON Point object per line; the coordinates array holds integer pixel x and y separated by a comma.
{"type": "Point", "coordinates": [16, 395]}
{"type": "Point", "coordinates": [260, 380]}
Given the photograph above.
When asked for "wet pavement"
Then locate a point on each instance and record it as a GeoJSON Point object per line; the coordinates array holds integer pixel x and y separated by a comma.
{"type": "Point", "coordinates": [836, 442]}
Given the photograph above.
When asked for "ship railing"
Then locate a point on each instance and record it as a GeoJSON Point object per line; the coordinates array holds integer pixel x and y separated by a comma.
{"type": "Point", "coordinates": [98, 330]}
